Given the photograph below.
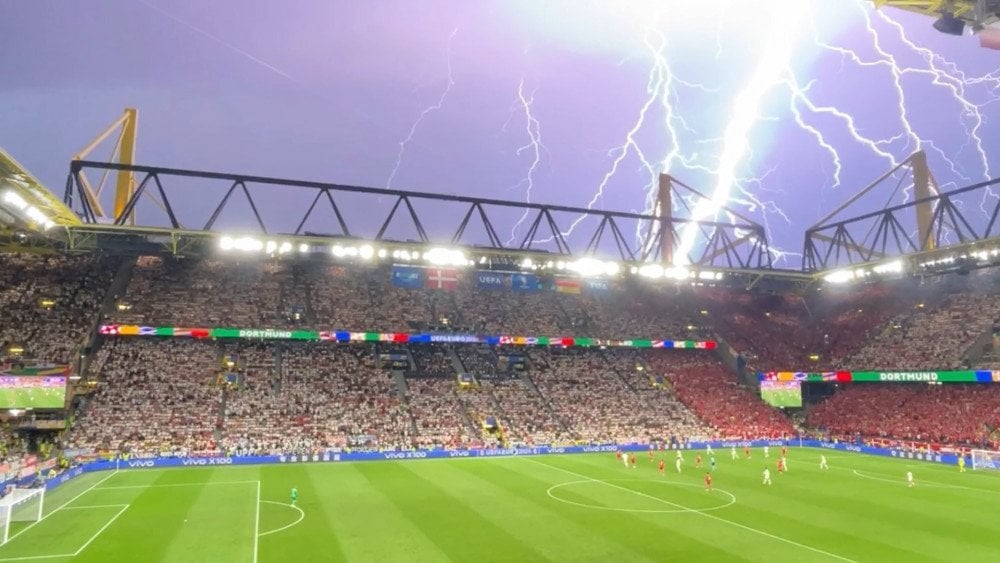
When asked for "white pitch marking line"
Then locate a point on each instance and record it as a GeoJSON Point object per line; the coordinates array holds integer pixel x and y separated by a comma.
{"type": "Point", "coordinates": [704, 514]}
{"type": "Point", "coordinates": [104, 527]}
{"type": "Point", "coordinates": [732, 497]}
{"type": "Point", "coordinates": [36, 557]}
{"type": "Point", "coordinates": [64, 505]}
{"type": "Point", "coordinates": [177, 485]}
{"type": "Point", "coordinates": [302, 514]}
{"type": "Point", "coordinates": [256, 526]}
{"type": "Point", "coordinates": [95, 506]}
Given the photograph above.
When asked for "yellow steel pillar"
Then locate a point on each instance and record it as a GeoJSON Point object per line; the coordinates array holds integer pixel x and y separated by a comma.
{"type": "Point", "coordinates": [125, 185]}
{"type": "Point", "coordinates": [922, 190]}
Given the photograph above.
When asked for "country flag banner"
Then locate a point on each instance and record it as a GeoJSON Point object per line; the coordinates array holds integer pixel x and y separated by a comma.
{"type": "Point", "coordinates": [441, 278]}
{"type": "Point", "coordinates": [567, 285]}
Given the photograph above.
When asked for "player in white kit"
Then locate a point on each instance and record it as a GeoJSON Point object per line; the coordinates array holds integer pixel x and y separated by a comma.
{"type": "Point", "coordinates": [733, 451]}
{"type": "Point", "coordinates": [767, 476]}
{"type": "Point", "coordinates": [678, 464]}
{"type": "Point", "coordinates": [767, 451]}
{"type": "Point", "coordinates": [909, 479]}
{"type": "Point", "coordinates": [822, 462]}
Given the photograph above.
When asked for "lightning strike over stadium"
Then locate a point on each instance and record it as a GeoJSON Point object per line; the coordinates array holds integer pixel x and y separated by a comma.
{"type": "Point", "coordinates": [504, 280]}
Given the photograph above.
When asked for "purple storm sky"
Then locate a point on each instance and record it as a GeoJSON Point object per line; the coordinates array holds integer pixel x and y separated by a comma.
{"type": "Point", "coordinates": [783, 108]}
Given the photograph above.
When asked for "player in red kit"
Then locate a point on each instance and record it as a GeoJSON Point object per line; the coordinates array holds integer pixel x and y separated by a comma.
{"type": "Point", "coordinates": [708, 481]}
{"type": "Point", "coordinates": [661, 467]}
{"type": "Point", "coordinates": [784, 451]}
{"type": "Point", "coordinates": [781, 465]}
{"type": "Point", "coordinates": [746, 452]}
{"type": "Point", "coordinates": [651, 453]}
{"type": "Point", "coordinates": [618, 455]}
{"type": "Point", "coordinates": [632, 459]}
{"type": "Point", "coordinates": [697, 460]}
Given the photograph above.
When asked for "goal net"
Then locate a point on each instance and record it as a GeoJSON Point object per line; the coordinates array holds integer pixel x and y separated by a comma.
{"type": "Point", "coordinates": [985, 459]}
{"type": "Point", "coordinates": [20, 505]}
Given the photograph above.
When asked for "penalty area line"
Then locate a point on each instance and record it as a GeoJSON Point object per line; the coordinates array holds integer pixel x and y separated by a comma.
{"type": "Point", "coordinates": [154, 485]}
{"type": "Point", "coordinates": [703, 514]}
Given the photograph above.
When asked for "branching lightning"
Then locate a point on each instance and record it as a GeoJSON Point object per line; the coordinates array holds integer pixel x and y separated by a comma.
{"type": "Point", "coordinates": [724, 153]}
{"type": "Point", "coordinates": [424, 113]}
{"type": "Point", "coordinates": [533, 146]}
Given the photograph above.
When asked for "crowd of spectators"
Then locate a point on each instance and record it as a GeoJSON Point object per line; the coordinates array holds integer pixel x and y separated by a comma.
{"type": "Point", "coordinates": [199, 293]}
{"type": "Point", "coordinates": [49, 303]}
{"type": "Point", "coordinates": [715, 395]}
{"type": "Point", "coordinates": [166, 396]}
{"type": "Point", "coordinates": [950, 414]}
{"type": "Point", "coordinates": [438, 413]}
{"type": "Point", "coordinates": [478, 360]}
{"type": "Point", "coordinates": [935, 334]}
{"type": "Point", "coordinates": [154, 397]}
{"type": "Point", "coordinates": [433, 360]}
{"type": "Point", "coordinates": [327, 396]}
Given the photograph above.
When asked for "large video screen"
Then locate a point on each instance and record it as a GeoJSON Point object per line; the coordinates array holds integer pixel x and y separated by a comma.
{"type": "Point", "coordinates": [32, 392]}
{"type": "Point", "coordinates": [781, 393]}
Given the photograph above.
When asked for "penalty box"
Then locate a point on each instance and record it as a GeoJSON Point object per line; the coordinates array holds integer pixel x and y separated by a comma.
{"type": "Point", "coordinates": [64, 532]}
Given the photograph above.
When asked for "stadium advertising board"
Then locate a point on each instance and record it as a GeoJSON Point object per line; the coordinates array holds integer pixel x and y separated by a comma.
{"type": "Point", "coordinates": [397, 337]}
{"type": "Point", "coordinates": [966, 376]}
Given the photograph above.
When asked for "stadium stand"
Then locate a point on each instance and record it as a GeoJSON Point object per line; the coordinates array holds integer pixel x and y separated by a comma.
{"type": "Point", "coordinates": [49, 303]}
{"type": "Point", "coordinates": [706, 387]}
{"type": "Point", "coordinates": [950, 414]}
{"type": "Point", "coordinates": [156, 397]}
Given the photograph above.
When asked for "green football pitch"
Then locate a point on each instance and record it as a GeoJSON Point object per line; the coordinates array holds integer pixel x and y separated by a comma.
{"type": "Point", "coordinates": [544, 508]}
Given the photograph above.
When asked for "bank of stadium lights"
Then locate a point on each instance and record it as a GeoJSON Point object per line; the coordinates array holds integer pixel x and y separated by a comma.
{"type": "Point", "coordinates": [860, 274]}
{"type": "Point", "coordinates": [26, 210]}
{"type": "Point", "coordinates": [977, 257]}
{"type": "Point", "coordinates": [446, 257]}
{"type": "Point", "coordinates": [677, 273]}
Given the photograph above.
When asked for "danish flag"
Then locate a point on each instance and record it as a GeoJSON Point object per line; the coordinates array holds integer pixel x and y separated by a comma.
{"type": "Point", "coordinates": [440, 278]}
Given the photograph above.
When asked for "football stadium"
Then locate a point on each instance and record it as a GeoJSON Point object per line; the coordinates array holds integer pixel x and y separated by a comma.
{"type": "Point", "coordinates": [736, 299]}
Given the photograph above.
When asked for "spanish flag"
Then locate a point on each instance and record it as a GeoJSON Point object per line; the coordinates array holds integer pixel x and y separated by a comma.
{"type": "Point", "coordinates": [566, 285]}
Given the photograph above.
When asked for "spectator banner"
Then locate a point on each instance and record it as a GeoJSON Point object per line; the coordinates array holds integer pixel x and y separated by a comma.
{"type": "Point", "coordinates": [407, 277]}
{"type": "Point", "coordinates": [525, 282]}
{"type": "Point", "coordinates": [597, 286]}
{"type": "Point", "coordinates": [397, 337]}
{"type": "Point", "coordinates": [489, 280]}
{"type": "Point", "coordinates": [968, 376]}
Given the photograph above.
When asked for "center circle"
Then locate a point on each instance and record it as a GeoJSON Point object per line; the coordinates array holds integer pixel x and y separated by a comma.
{"type": "Point", "coordinates": [551, 492]}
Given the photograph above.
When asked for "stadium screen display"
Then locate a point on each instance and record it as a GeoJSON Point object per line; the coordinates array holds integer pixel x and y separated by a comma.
{"type": "Point", "coordinates": [781, 393]}
{"type": "Point", "coordinates": [32, 392]}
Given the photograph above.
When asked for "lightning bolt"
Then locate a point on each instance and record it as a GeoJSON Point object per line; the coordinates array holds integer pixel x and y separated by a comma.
{"type": "Point", "coordinates": [533, 146]}
{"type": "Point", "coordinates": [725, 157]}
{"type": "Point", "coordinates": [424, 113]}
{"type": "Point", "coordinates": [743, 116]}
{"type": "Point", "coordinates": [947, 75]}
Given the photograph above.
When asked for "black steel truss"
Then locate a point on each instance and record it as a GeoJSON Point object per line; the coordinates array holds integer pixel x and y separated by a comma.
{"type": "Point", "coordinates": [736, 246]}
{"type": "Point", "coordinates": [890, 232]}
